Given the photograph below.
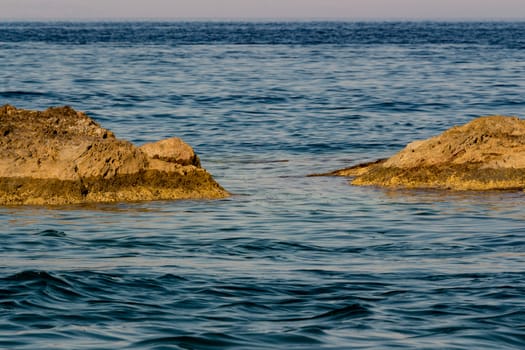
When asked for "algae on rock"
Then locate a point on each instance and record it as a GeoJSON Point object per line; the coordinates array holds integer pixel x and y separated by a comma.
{"type": "Point", "coordinates": [487, 153]}
{"type": "Point", "coordinates": [61, 156]}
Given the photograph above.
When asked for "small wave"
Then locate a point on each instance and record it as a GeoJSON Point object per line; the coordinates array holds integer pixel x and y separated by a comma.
{"type": "Point", "coordinates": [266, 245]}
{"type": "Point", "coordinates": [43, 286]}
{"type": "Point", "coordinates": [203, 341]}
{"type": "Point", "coordinates": [348, 311]}
{"type": "Point", "coordinates": [17, 93]}
{"type": "Point", "coordinates": [264, 161]}
{"type": "Point", "coordinates": [11, 344]}
{"type": "Point", "coordinates": [35, 276]}
{"type": "Point", "coordinates": [169, 277]}
{"type": "Point", "coordinates": [353, 310]}
{"type": "Point", "coordinates": [395, 106]}
{"type": "Point", "coordinates": [247, 306]}
{"type": "Point", "coordinates": [51, 233]}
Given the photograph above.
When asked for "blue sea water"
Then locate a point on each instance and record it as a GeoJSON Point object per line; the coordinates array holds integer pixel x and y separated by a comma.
{"type": "Point", "coordinates": [288, 261]}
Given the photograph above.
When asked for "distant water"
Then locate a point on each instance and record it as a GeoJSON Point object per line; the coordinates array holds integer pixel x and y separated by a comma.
{"type": "Point", "coordinates": [288, 262]}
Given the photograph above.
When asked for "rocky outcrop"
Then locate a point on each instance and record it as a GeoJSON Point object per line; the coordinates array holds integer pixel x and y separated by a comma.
{"type": "Point", "coordinates": [61, 156]}
{"type": "Point", "coordinates": [486, 154]}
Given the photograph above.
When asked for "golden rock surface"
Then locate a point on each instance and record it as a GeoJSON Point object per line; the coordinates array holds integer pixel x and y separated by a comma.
{"type": "Point", "coordinates": [487, 153]}
{"type": "Point", "coordinates": [61, 156]}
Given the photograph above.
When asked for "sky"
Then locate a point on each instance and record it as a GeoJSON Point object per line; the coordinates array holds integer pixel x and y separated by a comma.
{"type": "Point", "coordinates": [263, 9]}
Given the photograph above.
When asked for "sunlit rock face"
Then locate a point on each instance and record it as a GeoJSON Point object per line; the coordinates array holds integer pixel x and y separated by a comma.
{"type": "Point", "coordinates": [487, 153]}
{"type": "Point", "coordinates": [61, 156]}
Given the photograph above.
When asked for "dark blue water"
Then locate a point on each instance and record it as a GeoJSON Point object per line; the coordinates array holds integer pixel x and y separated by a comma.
{"type": "Point", "coordinates": [289, 261]}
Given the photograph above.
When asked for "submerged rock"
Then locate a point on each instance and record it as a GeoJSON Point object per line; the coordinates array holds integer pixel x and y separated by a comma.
{"type": "Point", "coordinates": [61, 156]}
{"type": "Point", "coordinates": [487, 153]}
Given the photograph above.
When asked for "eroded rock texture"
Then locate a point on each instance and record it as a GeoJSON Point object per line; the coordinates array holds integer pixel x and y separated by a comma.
{"type": "Point", "coordinates": [61, 156]}
{"type": "Point", "coordinates": [487, 153]}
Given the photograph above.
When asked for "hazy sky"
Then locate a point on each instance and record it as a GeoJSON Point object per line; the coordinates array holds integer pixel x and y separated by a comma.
{"type": "Point", "coordinates": [245, 9]}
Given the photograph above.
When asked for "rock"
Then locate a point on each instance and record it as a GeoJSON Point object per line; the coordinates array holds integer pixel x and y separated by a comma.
{"type": "Point", "coordinates": [61, 156]}
{"type": "Point", "coordinates": [172, 150]}
{"type": "Point", "coordinates": [487, 153]}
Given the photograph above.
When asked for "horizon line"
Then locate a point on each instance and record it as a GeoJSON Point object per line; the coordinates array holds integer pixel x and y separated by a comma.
{"type": "Point", "coordinates": [261, 19]}
{"type": "Point", "coordinates": [255, 20]}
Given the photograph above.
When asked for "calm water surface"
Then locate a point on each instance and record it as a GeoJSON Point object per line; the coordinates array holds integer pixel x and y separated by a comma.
{"type": "Point", "coordinates": [288, 261]}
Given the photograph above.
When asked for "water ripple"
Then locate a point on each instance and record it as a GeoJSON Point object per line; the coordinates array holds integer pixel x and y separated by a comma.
{"type": "Point", "coordinates": [289, 260]}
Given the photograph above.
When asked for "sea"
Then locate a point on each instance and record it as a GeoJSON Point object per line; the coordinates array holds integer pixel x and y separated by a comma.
{"type": "Point", "coordinates": [288, 261]}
